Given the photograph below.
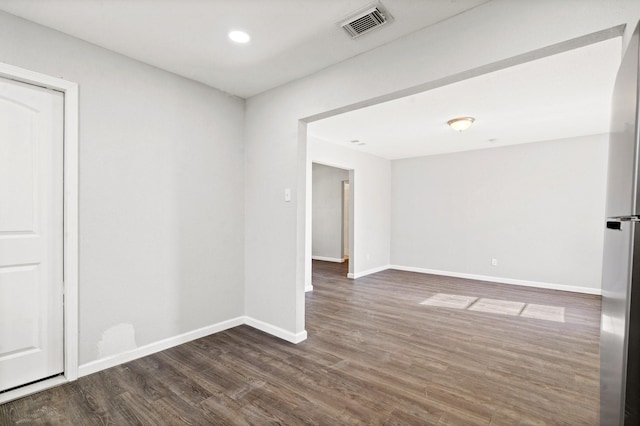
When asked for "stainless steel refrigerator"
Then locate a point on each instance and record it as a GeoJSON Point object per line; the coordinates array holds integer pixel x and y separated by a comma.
{"type": "Point", "coordinates": [620, 327]}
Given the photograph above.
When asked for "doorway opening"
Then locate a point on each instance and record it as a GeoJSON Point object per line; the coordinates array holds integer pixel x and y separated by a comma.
{"type": "Point", "coordinates": [339, 135]}
{"type": "Point", "coordinates": [331, 208]}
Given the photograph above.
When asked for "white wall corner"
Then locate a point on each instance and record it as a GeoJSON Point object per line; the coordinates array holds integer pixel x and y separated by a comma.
{"type": "Point", "coordinates": [308, 288]}
{"type": "Point", "coordinates": [361, 274]}
{"type": "Point", "coordinates": [276, 331]}
{"type": "Point", "coordinates": [142, 351]}
{"type": "Point", "coordinates": [501, 280]}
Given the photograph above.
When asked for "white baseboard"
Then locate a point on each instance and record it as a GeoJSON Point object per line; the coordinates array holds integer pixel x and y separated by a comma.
{"type": "Point", "coordinates": [328, 259]}
{"type": "Point", "coordinates": [121, 358]}
{"type": "Point", "coordinates": [276, 331]}
{"type": "Point", "coordinates": [142, 351]}
{"type": "Point", "coordinates": [112, 361]}
{"type": "Point", "coordinates": [367, 272]}
{"type": "Point", "coordinates": [308, 287]}
{"type": "Point", "coordinates": [525, 283]}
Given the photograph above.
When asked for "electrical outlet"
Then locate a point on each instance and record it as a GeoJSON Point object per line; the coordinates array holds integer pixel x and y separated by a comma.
{"type": "Point", "coordinates": [494, 262]}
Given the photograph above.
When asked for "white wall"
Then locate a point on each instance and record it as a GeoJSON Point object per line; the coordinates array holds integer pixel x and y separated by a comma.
{"type": "Point", "coordinates": [483, 39]}
{"type": "Point", "coordinates": [370, 191]}
{"type": "Point", "coordinates": [537, 208]}
{"type": "Point", "coordinates": [161, 208]}
{"type": "Point", "coordinates": [327, 214]}
{"type": "Point", "coordinates": [161, 192]}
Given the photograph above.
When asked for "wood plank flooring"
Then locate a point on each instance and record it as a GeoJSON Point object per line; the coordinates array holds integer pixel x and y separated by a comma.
{"type": "Point", "coordinates": [374, 355]}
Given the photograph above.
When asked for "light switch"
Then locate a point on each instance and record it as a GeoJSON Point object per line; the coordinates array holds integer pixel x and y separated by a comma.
{"type": "Point", "coordinates": [287, 194]}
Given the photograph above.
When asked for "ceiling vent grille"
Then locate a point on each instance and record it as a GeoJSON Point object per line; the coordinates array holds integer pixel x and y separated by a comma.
{"type": "Point", "coordinates": [363, 21]}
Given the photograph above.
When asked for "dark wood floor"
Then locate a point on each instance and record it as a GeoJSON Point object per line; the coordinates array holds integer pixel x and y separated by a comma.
{"type": "Point", "coordinates": [374, 355]}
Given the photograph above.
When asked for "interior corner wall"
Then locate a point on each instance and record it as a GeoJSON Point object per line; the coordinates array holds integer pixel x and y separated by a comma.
{"type": "Point", "coordinates": [536, 208]}
{"type": "Point", "coordinates": [160, 197]}
{"type": "Point", "coordinates": [492, 32]}
{"type": "Point", "coordinates": [327, 212]}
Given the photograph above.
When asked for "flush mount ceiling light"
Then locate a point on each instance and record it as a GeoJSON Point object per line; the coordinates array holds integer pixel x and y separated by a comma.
{"type": "Point", "coordinates": [239, 37]}
{"type": "Point", "coordinates": [461, 123]}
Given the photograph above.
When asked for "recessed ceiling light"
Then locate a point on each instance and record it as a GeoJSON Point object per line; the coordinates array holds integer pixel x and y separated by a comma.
{"type": "Point", "coordinates": [355, 141]}
{"type": "Point", "coordinates": [239, 37]}
{"type": "Point", "coordinates": [461, 123]}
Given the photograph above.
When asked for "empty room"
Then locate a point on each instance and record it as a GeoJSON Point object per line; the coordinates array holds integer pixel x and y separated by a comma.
{"type": "Point", "coordinates": [241, 212]}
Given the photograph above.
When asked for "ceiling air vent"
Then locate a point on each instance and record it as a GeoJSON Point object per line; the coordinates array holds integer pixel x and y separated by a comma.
{"type": "Point", "coordinates": [365, 20]}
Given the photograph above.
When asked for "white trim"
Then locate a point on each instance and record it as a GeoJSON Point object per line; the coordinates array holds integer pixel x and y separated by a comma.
{"type": "Point", "coordinates": [27, 76]}
{"type": "Point", "coordinates": [328, 259]}
{"type": "Point", "coordinates": [161, 345]}
{"type": "Point", "coordinates": [23, 391]}
{"type": "Point", "coordinates": [308, 287]}
{"type": "Point", "coordinates": [71, 232]}
{"type": "Point", "coordinates": [525, 283]}
{"type": "Point", "coordinates": [170, 342]}
{"type": "Point", "coordinates": [70, 221]}
{"type": "Point", "coordinates": [276, 331]}
{"type": "Point", "coordinates": [367, 272]}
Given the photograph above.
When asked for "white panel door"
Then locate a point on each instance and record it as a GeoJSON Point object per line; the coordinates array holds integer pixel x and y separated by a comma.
{"type": "Point", "coordinates": [31, 234]}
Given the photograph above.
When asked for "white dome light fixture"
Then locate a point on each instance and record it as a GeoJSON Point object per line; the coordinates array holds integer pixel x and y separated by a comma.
{"type": "Point", "coordinates": [461, 123]}
{"type": "Point", "coordinates": [239, 37]}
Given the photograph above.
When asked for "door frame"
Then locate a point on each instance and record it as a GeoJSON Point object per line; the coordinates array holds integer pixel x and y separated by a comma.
{"type": "Point", "coordinates": [308, 212]}
{"type": "Point", "coordinates": [70, 223]}
{"type": "Point", "coordinates": [346, 190]}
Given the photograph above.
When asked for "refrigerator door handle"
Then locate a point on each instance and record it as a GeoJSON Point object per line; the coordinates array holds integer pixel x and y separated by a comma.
{"type": "Point", "coordinates": [615, 223]}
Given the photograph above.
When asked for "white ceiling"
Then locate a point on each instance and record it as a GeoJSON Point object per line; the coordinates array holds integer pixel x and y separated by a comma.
{"type": "Point", "coordinates": [560, 96]}
{"type": "Point", "coordinates": [290, 38]}
{"type": "Point", "coordinates": [556, 97]}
